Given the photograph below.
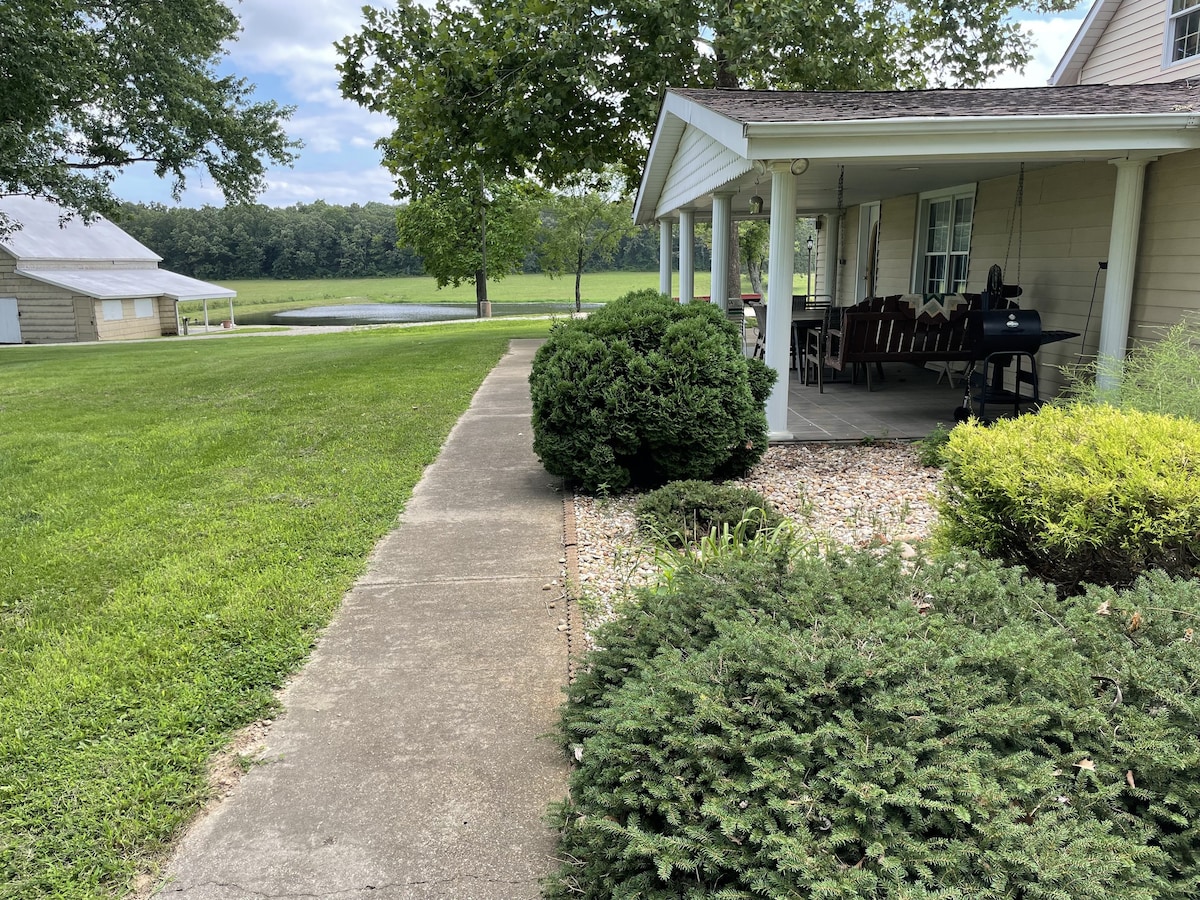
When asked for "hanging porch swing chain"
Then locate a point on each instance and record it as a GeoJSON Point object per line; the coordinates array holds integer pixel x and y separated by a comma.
{"type": "Point", "coordinates": [1017, 219]}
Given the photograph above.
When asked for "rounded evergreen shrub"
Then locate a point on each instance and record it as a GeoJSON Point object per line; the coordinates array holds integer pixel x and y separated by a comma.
{"type": "Point", "coordinates": [873, 729]}
{"type": "Point", "coordinates": [645, 391]}
{"type": "Point", "coordinates": [1077, 494]}
{"type": "Point", "coordinates": [683, 511]}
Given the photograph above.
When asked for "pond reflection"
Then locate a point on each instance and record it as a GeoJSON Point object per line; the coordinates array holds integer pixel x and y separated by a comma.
{"type": "Point", "coordinates": [381, 313]}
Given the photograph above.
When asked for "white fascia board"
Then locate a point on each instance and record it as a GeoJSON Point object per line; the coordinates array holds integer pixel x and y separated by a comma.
{"type": "Point", "coordinates": [1093, 25]}
{"type": "Point", "coordinates": [976, 137]}
{"type": "Point", "coordinates": [720, 128]}
{"type": "Point", "coordinates": [663, 143]}
{"type": "Point", "coordinates": [676, 114]}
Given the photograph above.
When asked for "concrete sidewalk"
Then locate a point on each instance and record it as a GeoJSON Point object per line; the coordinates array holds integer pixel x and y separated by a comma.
{"type": "Point", "coordinates": [412, 759]}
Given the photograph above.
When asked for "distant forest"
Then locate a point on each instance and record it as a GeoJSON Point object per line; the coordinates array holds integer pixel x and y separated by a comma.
{"type": "Point", "coordinates": [313, 240]}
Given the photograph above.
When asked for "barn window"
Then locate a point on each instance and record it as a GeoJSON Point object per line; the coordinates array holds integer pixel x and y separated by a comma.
{"type": "Point", "coordinates": [143, 308]}
{"type": "Point", "coordinates": [112, 310]}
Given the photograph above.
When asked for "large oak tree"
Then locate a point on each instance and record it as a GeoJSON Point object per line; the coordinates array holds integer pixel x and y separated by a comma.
{"type": "Point", "coordinates": [559, 88]}
{"type": "Point", "coordinates": [91, 87]}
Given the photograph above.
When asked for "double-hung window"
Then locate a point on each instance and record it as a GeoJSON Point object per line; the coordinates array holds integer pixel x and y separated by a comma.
{"type": "Point", "coordinates": [944, 241]}
{"type": "Point", "coordinates": [1183, 30]}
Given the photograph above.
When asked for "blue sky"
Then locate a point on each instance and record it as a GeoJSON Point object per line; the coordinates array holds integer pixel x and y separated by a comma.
{"type": "Point", "coordinates": [286, 49]}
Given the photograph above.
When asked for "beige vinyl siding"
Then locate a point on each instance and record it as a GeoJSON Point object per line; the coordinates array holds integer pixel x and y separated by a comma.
{"type": "Point", "coordinates": [849, 272]}
{"type": "Point", "coordinates": [897, 231]}
{"type": "Point", "coordinates": [47, 315]}
{"type": "Point", "coordinates": [1132, 48]}
{"type": "Point", "coordinates": [1167, 285]}
{"type": "Point", "coordinates": [130, 326]}
{"type": "Point", "coordinates": [1055, 256]}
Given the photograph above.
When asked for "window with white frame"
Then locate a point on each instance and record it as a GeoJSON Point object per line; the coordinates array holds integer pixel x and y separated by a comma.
{"type": "Point", "coordinates": [1183, 30]}
{"type": "Point", "coordinates": [944, 241]}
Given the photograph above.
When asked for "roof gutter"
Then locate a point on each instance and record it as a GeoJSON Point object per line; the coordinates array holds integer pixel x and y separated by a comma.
{"type": "Point", "coordinates": [975, 137]}
{"type": "Point", "coordinates": [952, 125]}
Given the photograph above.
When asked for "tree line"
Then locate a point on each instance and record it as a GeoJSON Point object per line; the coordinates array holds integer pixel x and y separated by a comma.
{"type": "Point", "coordinates": [324, 240]}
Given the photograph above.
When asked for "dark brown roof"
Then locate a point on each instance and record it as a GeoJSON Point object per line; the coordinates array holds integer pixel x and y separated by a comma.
{"type": "Point", "coordinates": [753, 107]}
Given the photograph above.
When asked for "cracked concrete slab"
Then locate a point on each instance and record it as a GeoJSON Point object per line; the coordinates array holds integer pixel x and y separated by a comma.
{"type": "Point", "coordinates": [412, 759]}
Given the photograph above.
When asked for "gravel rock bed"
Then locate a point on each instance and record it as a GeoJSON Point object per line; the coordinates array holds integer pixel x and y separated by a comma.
{"type": "Point", "coordinates": [859, 495]}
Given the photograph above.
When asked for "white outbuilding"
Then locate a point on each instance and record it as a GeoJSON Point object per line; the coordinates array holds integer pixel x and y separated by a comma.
{"type": "Point", "coordinates": [62, 279]}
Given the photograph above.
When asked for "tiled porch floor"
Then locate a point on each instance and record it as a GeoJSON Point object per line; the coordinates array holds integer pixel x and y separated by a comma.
{"type": "Point", "coordinates": [907, 404]}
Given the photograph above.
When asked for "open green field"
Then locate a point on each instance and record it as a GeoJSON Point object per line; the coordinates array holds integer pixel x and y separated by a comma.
{"type": "Point", "coordinates": [178, 521]}
{"type": "Point", "coordinates": [275, 296]}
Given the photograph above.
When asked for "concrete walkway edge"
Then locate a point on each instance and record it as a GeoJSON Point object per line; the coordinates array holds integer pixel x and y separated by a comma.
{"type": "Point", "coordinates": [413, 757]}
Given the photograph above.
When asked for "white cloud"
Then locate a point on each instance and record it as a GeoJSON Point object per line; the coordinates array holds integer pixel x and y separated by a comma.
{"type": "Point", "coordinates": [338, 187]}
{"type": "Point", "coordinates": [286, 48]}
{"type": "Point", "coordinates": [1051, 39]}
{"type": "Point", "coordinates": [295, 42]}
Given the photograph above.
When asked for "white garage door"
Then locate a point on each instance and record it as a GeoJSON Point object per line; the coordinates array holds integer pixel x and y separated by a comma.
{"type": "Point", "coordinates": [10, 324]}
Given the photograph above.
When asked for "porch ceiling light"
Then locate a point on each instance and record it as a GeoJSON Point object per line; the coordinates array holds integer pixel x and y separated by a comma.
{"type": "Point", "coordinates": [799, 166]}
{"type": "Point", "coordinates": [756, 205]}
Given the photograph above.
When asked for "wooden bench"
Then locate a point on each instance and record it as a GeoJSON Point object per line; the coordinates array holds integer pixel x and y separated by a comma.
{"type": "Point", "coordinates": [870, 336]}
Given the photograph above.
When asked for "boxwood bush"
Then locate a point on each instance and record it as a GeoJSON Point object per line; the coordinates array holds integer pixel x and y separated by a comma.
{"type": "Point", "coordinates": [645, 391]}
{"type": "Point", "coordinates": [1077, 493]}
{"type": "Point", "coordinates": [860, 727]}
{"type": "Point", "coordinates": [683, 511]}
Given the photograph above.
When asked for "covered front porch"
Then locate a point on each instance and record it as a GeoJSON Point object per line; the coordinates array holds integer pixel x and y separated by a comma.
{"type": "Point", "coordinates": [907, 404]}
{"type": "Point", "coordinates": [918, 193]}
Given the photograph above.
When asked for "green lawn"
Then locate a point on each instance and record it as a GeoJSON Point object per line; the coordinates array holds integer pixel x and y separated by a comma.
{"type": "Point", "coordinates": [178, 520]}
{"type": "Point", "coordinates": [273, 296]}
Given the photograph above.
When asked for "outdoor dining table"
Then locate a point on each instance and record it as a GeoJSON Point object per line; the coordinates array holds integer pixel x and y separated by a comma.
{"type": "Point", "coordinates": [803, 320]}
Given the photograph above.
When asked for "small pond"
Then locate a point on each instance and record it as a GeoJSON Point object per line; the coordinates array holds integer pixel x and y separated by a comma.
{"type": "Point", "coordinates": [380, 313]}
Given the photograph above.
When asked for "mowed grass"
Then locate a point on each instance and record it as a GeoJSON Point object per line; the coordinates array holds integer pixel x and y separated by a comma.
{"type": "Point", "coordinates": [178, 520]}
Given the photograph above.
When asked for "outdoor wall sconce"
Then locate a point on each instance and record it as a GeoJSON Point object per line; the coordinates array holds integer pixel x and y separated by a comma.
{"type": "Point", "coordinates": [756, 205]}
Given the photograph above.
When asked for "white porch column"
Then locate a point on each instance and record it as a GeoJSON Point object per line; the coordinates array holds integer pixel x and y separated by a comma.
{"type": "Point", "coordinates": [833, 250]}
{"type": "Point", "coordinates": [687, 264]}
{"type": "Point", "coordinates": [664, 256]}
{"type": "Point", "coordinates": [779, 294]}
{"type": "Point", "coordinates": [722, 217]}
{"type": "Point", "coordinates": [1122, 263]}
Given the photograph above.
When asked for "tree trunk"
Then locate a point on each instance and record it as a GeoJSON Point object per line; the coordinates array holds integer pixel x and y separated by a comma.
{"type": "Point", "coordinates": [754, 270]}
{"type": "Point", "coordinates": [578, 279]}
{"type": "Point", "coordinates": [733, 269]}
{"type": "Point", "coordinates": [483, 307]}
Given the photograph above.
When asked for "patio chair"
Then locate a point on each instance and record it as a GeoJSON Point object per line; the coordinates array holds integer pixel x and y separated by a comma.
{"type": "Point", "coordinates": [760, 328]}
{"type": "Point", "coordinates": [814, 344]}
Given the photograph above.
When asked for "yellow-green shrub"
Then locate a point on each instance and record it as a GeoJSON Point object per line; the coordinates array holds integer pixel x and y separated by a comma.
{"type": "Point", "coordinates": [1077, 494]}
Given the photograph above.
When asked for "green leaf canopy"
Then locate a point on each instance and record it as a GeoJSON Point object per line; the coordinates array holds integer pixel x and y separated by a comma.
{"type": "Point", "coordinates": [93, 86]}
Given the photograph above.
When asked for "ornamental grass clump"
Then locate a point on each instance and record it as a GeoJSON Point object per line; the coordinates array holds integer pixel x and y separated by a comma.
{"type": "Point", "coordinates": [1077, 494]}
{"type": "Point", "coordinates": [1160, 376]}
{"type": "Point", "coordinates": [645, 391]}
{"type": "Point", "coordinates": [863, 727]}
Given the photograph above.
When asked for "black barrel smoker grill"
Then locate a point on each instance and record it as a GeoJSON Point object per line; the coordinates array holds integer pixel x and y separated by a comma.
{"type": "Point", "coordinates": [1001, 339]}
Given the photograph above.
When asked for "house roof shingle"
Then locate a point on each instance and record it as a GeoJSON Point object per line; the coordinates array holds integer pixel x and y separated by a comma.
{"type": "Point", "coordinates": [776, 107]}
